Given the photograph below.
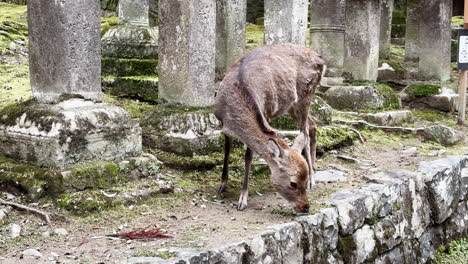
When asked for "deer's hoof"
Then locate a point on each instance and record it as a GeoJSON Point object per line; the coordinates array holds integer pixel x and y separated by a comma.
{"type": "Point", "coordinates": [241, 206]}
{"type": "Point", "coordinates": [222, 187]}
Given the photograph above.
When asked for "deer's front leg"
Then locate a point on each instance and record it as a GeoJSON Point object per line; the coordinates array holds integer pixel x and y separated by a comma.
{"type": "Point", "coordinates": [245, 186]}
{"type": "Point", "coordinates": [312, 148]}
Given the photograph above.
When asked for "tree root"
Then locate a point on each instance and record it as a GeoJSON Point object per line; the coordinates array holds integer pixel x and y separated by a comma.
{"type": "Point", "coordinates": [362, 124]}
{"type": "Point", "coordinates": [26, 208]}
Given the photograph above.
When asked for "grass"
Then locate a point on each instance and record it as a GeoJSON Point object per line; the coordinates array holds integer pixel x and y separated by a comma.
{"type": "Point", "coordinates": [456, 252]}
{"type": "Point", "coordinates": [254, 37]}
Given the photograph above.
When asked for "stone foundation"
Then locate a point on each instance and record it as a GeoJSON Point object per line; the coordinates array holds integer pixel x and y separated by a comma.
{"type": "Point", "coordinates": [401, 217]}
{"type": "Point", "coordinates": [131, 42]}
{"type": "Point", "coordinates": [69, 132]}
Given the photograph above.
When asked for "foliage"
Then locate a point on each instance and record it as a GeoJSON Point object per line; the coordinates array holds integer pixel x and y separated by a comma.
{"type": "Point", "coordinates": [455, 252]}
{"type": "Point", "coordinates": [457, 21]}
{"type": "Point", "coordinates": [108, 23]}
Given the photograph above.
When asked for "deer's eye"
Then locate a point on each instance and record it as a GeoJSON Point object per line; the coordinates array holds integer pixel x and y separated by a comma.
{"type": "Point", "coordinates": [293, 185]}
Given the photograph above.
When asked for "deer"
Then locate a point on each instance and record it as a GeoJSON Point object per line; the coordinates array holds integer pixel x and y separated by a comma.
{"type": "Point", "coordinates": [271, 81]}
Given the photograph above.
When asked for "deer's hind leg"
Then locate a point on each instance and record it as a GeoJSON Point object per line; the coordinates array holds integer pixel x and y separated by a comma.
{"type": "Point", "coordinates": [225, 175]}
{"type": "Point", "coordinates": [245, 185]}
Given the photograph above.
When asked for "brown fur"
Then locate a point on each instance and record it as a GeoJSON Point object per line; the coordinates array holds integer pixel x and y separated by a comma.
{"type": "Point", "coordinates": [270, 81]}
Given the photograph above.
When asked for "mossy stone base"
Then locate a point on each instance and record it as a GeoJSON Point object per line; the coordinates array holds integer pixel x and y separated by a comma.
{"type": "Point", "coordinates": [36, 182]}
{"type": "Point", "coordinates": [128, 67]}
{"type": "Point", "coordinates": [72, 131]}
{"type": "Point", "coordinates": [182, 131]}
{"type": "Point", "coordinates": [141, 87]}
{"type": "Point", "coordinates": [429, 96]}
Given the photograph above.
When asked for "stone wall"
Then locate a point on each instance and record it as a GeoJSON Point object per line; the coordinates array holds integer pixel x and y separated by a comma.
{"type": "Point", "coordinates": [399, 217]}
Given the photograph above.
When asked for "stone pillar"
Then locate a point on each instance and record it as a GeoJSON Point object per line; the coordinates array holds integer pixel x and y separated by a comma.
{"type": "Point", "coordinates": [134, 12]}
{"type": "Point", "coordinates": [187, 51]}
{"type": "Point", "coordinates": [435, 40]}
{"type": "Point", "coordinates": [327, 28]}
{"type": "Point", "coordinates": [64, 49]}
{"type": "Point", "coordinates": [153, 12]}
{"type": "Point", "coordinates": [385, 28]}
{"type": "Point", "coordinates": [286, 21]}
{"type": "Point", "coordinates": [362, 39]}
{"type": "Point", "coordinates": [230, 33]}
{"type": "Point", "coordinates": [412, 30]}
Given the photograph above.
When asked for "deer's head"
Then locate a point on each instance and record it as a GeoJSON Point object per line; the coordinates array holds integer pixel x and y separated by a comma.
{"type": "Point", "coordinates": [289, 172]}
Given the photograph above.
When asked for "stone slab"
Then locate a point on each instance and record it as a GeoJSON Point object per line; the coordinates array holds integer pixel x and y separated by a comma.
{"type": "Point", "coordinates": [72, 131]}
{"type": "Point", "coordinates": [64, 49]}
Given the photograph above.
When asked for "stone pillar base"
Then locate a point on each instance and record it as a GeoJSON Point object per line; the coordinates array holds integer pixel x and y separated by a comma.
{"type": "Point", "coordinates": [72, 131]}
{"type": "Point", "coordinates": [131, 42]}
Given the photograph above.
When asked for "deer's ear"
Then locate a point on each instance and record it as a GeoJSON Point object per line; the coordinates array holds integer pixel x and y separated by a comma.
{"type": "Point", "coordinates": [275, 150]}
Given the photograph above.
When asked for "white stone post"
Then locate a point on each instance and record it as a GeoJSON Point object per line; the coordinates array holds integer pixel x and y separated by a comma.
{"type": "Point", "coordinates": [286, 21]}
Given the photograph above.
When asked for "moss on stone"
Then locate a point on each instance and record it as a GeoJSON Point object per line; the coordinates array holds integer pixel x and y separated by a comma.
{"type": "Point", "coordinates": [140, 87]}
{"type": "Point", "coordinates": [94, 177]}
{"type": "Point", "coordinates": [394, 64]}
{"type": "Point", "coordinates": [285, 122]}
{"type": "Point", "coordinates": [129, 67]}
{"type": "Point", "coordinates": [107, 23]}
{"type": "Point", "coordinates": [40, 115]}
{"type": "Point", "coordinates": [391, 99]}
{"type": "Point", "coordinates": [13, 24]}
{"type": "Point", "coordinates": [329, 138]}
{"type": "Point", "coordinates": [34, 181]}
{"type": "Point", "coordinates": [419, 90]}
{"type": "Point", "coordinates": [190, 163]}
{"type": "Point", "coordinates": [82, 203]}
{"type": "Point", "coordinates": [346, 245]}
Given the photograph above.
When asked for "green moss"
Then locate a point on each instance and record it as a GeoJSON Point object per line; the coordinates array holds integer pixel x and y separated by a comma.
{"type": "Point", "coordinates": [457, 21]}
{"type": "Point", "coordinates": [394, 64]}
{"type": "Point", "coordinates": [139, 87]}
{"type": "Point", "coordinates": [254, 36]}
{"type": "Point", "coordinates": [190, 163]}
{"type": "Point", "coordinates": [136, 109]}
{"type": "Point", "coordinates": [35, 181]}
{"type": "Point", "coordinates": [329, 138]}
{"type": "Point", "coordinates": [285, 122]}
{"type": "Point", "coordinates": [40, 115]}
{"type": "Point", "coordinates": [13, 24]}
{"type": "Point", "coordinates": [129, 67]}
{"type": "Point", "coordinates": [347, 245]}
{"type": "Point", "coordinates": [94, 177]}
{"type": "Point", "coordinates": [423, 89]}
{"type": "Point", "coordinates": [398, 30]}
{"type": "Point", "coordinates": [398, 17]}
{"type": "Point", "coordinates": [454, 253]}
{"type": "Point", "coordinates": [391, 99]}
{"type": "Point", "coordinates": [107, 23]}
{"type": "Point", "coordinates": [81, 203]}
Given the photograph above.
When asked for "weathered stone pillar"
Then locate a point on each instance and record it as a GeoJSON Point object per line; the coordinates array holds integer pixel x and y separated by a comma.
{"type": "Point", "coordinates": [65, 65]}
{"type": "Point", "coordinates": [286, 21]}
{"type": "Point", "coordinates": [187, 51]}
{"type": "Point", "coordinates": [385, 28]}
{"type": "Point", "coordinates": [362, 39]}
{"type": "Point", "coordinates": [412, 30]}
{"type": "Point", "coordinates": [230, 33]}
{"type": "Point", "coordinates": [435, 39]}
{"type": "Point", "coordinates": [64, 49]}
{"type": "Point", "coordinates": [134, 12]}
{"type": "Point", "coordinates": [327, 27]}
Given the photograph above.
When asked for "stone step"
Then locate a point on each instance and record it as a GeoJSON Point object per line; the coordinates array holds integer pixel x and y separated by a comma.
{"type": "Point", "coordinates": [128, 67]}
{"type": "Point", "coordinates": [142, 87]}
